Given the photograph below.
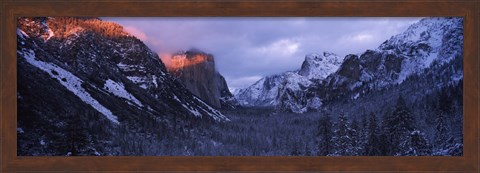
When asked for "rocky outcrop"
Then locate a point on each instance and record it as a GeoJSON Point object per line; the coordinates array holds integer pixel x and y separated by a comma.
{"type": "Point", "coordinates": [196, 71]}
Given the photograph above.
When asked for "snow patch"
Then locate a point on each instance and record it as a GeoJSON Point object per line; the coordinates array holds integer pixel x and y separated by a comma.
{"type": "Point", "coordinates": [70, 81]}
{"type": "Point", "coordinates": [356, 96]}
{"type": "Point", "coordinates": [143, 86]}
{"type": "Point", "coordinates": [192, 110]}
{"type": "Point", "coordinates": [355, 85]}
{"type": "Point", "coordinates": [154, 80]}
{"type": "Point", "coordinates": [50, 32]}
{"type": "Point", "coordinates": [457, 77]}
{"type": "Point", "coordinates": [429, 59]}
{"type": "Point", "coordinates": [315, 103]}
{"type": "Point", "coordinates": [217, 115]}
{"type": "Point", "coordinates": [21, 33]}
{"type": "Point", "coordinates": [118, 89]}
{"type": "Point", "coordinates": [176, 98]}
{"type": "Point", "coordinates": [20, 131]}
{"type": "Point", "coordinates": [128, 67]}
{"type": "Point", "coordinates": [365, 77]}
{"type": "Point", "coordinates": [136, 79]}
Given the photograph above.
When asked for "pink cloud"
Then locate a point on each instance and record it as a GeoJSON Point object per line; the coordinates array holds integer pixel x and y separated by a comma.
{"type": "Point", "coordinates": [136, 32]}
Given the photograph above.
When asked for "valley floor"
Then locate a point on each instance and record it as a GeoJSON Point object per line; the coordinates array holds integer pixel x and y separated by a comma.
{"type": "Point", "coordinates": [263, 132]}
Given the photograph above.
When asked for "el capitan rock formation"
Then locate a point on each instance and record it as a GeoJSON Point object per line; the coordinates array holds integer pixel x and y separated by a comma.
{"type": "Point", "coordinates": [196, 71]}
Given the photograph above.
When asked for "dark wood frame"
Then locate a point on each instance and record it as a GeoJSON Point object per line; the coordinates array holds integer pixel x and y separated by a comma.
{"type": "Point", "coordinates": [10, 9]}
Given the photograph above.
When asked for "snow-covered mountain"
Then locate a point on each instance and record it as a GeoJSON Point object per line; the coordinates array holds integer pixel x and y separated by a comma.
{"type": "Point", "coordinates": [278, 90]}
{"type": "Point", "coordinates": [92, 71]}
{"type": "Point", "coordinates": [422, 48]}
{"type": "Point", "coordinates": [318, 66]}
{"type": "Point", "coordinates": [425, 49]}
{"type": "Point", "coordinates": [196, 71]}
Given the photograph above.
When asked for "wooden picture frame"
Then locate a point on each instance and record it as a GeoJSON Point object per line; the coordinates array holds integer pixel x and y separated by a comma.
{"type": "Point", "coordinates": [10, 10]}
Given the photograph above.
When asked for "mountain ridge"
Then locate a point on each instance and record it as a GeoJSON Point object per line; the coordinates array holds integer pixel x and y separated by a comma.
{"type": "Point", "coordinates": [426, 44]}
{"type": "Point", "coordinates": [101, 80]}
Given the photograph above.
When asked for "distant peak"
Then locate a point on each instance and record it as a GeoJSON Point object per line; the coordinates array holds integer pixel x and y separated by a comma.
{"type": "Point", "coordinates": [319, 66]}
{"type": "Point", "coordinates": [428, 30]}
{"type": "Point", "coordinates": [325, 56]}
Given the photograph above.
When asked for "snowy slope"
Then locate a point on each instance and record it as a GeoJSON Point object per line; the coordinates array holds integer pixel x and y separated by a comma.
{"type": "Point", "coordinates": [70, 81]}
{"type": "Point", "coordinates": [280, 89]}
{"type": "Point", "coordinates": [116, 65]}
{"type": "Point", "coordinates": [429, 40]}
{"type": "Point", "coordinates": [119, 90]}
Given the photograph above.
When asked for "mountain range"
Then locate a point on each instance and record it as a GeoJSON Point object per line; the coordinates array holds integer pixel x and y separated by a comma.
{"type": "Point", "coordinates": [87, 87]}
{"type": "Point", "coordinates": [430, 48]}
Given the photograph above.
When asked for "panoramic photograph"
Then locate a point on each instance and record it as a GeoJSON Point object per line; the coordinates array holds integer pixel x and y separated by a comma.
{"type": "Point", "coordinates": [239, 86]}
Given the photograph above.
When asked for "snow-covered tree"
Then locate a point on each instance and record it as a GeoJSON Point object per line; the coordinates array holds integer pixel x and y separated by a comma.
{"type": "Point", "coordinates": [454, 147]}
{"type": "Point", "coordinates": [342, 139]}
{"type": "Point", "coordinates": [415, 144]}
{"type": "Point", "coordinates": [354, 133]}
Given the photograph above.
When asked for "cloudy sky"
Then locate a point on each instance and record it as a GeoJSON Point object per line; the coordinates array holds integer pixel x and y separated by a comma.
{"type": "Point", "coordinates": [247, 49]}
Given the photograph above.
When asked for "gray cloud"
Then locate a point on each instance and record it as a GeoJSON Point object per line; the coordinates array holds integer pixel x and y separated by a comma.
{"type": "Point", "coordinates": [246, 49]}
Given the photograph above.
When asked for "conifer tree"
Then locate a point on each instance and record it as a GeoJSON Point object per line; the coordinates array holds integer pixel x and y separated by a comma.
{"type": "Point", "coordinates": [397, 125]}
{"type": "Point", "coordinates": [363, 135]}
{"type": "Point", "coordinates": [415, 144]}
{"type": "Point", "coordinates": [354, 133]}
{"type": "Point", "coordinates": [343, 142]}
{"type": "Point", "coordinates": [325, 136]}
{"type": "Point", "coordinates": [373, 146]}
{"type": "Point", "coordinates": [441, 135]}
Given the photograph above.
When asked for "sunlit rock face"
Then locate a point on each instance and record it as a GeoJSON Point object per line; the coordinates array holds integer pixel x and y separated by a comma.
{"type": "Point", "coordinates": [196, 71]}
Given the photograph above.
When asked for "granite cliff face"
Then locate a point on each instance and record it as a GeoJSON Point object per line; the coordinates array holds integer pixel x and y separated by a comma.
{"type": "Point", "coordinates": [196, 71]}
